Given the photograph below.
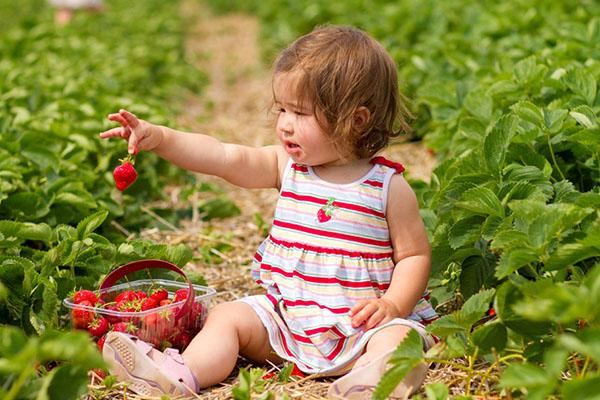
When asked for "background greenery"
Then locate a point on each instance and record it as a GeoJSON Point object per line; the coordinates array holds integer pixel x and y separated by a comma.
{"type": "Point", "coordinates": [506, 95]}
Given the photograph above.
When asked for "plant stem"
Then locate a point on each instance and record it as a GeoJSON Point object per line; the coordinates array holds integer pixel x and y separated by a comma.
{"type": "Point", "coordinates": [553, 157]}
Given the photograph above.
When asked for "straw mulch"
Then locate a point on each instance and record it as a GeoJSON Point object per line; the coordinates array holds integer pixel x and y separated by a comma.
{"type": "Point", "coordinates": [234, 108]}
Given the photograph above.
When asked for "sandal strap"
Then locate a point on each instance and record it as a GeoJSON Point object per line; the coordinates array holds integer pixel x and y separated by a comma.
{"type": "Point", "coordinates": [174, 355]}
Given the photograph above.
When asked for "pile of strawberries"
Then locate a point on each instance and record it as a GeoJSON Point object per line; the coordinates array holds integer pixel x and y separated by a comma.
{"type": "Point", "coordinates": [125, 313]}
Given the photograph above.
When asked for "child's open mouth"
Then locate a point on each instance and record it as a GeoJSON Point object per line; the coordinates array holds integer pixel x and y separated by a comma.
{"type": "Point", "coordinates": [291, 147]}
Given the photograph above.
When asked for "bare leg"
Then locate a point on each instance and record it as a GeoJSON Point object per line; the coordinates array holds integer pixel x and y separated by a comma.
{"type": "Point", "coordinates": [360, 382]}
{"type": "Point", "coordinates": [383, 341]}
{"type": "Point", "coordinates": [230, 329]}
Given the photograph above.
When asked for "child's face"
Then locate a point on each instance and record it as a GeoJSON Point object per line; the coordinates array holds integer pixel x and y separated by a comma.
{"type": "Point", "coordinates": [297, 127]}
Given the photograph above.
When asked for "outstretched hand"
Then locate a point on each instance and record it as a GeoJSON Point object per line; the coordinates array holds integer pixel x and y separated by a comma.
{"type": "Point", "coordinates": [373, 312]}
{"type": "Point", "coordinates": [139, 134]}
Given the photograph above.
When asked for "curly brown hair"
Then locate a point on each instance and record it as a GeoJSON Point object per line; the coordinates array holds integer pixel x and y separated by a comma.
{"type": "Point", "coordinates": [340, 69]}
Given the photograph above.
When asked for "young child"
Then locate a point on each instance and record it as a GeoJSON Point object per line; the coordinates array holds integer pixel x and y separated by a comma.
{"type": "Point", "coordinates": [347, 261]}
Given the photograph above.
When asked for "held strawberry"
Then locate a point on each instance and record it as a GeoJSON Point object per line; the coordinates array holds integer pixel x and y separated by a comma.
{"type": "Point", "coordinates": [125, 174]}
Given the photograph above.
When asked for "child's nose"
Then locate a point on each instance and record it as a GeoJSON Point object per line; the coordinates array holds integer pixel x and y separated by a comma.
{"type": "Point", "coordinates": [286, 126]}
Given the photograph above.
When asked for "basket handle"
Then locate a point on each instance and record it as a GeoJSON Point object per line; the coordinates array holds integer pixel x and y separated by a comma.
{"type": "Point", "coordinates": [139, 265]}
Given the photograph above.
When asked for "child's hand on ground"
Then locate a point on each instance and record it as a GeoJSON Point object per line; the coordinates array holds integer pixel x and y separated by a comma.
{"type": "Point", "coordinates": [140, 134]}
{"type": "Point", "coordinates": [373, 312]}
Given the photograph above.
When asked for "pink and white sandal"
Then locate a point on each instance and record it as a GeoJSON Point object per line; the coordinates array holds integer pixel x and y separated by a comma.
{"type": "Point", "coordinates": [148, 371]}
{"type": "Point", "coordinates": [360, 383]}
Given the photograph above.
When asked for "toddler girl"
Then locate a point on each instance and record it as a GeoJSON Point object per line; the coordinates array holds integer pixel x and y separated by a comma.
{"type": "Point", "coordinates": [347, 261]}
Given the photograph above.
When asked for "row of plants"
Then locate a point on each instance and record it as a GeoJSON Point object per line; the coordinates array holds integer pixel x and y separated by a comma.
{"type": "Point", "coordinates": [506, 95]}
{"type": "Point", "coordinates": [63, 223]}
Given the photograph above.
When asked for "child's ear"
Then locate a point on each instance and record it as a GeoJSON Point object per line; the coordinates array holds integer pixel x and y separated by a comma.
{"type": "Point", "coordinates": [362, 115]}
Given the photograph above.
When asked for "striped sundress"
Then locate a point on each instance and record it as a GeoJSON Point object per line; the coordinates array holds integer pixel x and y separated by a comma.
{"type": "Point", "coordinates": [328, 248]}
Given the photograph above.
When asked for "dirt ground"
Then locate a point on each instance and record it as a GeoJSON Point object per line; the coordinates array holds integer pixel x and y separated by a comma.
{"type": "Point", "coordinates": [235, 107]}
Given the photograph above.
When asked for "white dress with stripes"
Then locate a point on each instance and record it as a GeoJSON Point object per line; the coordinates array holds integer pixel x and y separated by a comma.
{"type": "Point", "coordinates": [328, 248]}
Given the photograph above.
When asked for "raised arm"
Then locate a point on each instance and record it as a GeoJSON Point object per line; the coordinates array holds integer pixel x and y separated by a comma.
{"type": "Point", "coordinates": [244, 166]}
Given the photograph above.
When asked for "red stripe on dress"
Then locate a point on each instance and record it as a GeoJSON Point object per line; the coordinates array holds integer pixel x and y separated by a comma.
{"type": "Point", "coordinates": [272, 299]}
{"type": "Point", "coordinates": [327, 250]}
{"type": "Point", "coordinates": [258, 256]}
{"type": "Point", "coordinates": [340, 204]}
{"type": "Point", "coordinates": [333, 235]}
{"type": "Point", "coordinates": [373, 183]}
{"type": "Point", "coordinates": [301, 338]}
{"type": "Point", "coordinates": [295, 303]}
{"type": "Point", "coordinates": [300, 168]}
{"type": "Point", "coordinates": [285, 345]}
{"type": "Point", "coordinates": [324, 329]}
{"type": "Point", "coordinates": [338, 348]}
{"type": "Point", "coordinates": [319, 280]}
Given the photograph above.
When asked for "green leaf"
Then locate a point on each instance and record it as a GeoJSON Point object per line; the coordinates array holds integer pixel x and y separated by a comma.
{"type": "Point", "coordinates": [512, 260]}
{"type": "Point", "coordinates": [585, 116]}
{"type": "Point", "coordinates": [481, 200]}
{"type": "Point", "coordinates": [529, 112]}
{"type": "Point", "coordinates": [445, 325]}
{"type": "Point", "coordinates": [179, 255]}
{"type": "Point", "coordinates": [507, 295]}
{"type": "Point", "coordinates": [553, 119]}
{"type": "Point", "coordinates": [497, 141]}
{"type": "Point", "coordinates": [582, 388]}
{"type": "Point", "coordinates": [479, 104]}
{"type": "Point", "coordinates": [78, 200]}
{"type": "Point", "coordinates": [527, 71]}
{"type": "Point", "coordinates": [475, 273]}
{"type": "Point", "coordinates": [436, 391]}
{"type": "Point", "coordinates": [465, 231]}
{"type": "Point", "coordinates": [26, 230]}
{"type": "Point", "coordinates": [64, 382]}
{"type": "Point", "coordinates": [530, 377]}
{"type": "Point", "coordinates": [474, 308]}
{"type": "Point", "coordinates": [586, 137]}
{"type": "Point", "coordinates": [586, 342]}
{"type": "Point", "coordinates": [12, 341]}
{"type": "Point", "coordinates": [582, 83]}
{"type": "Point", "coordinates": [90, 223]}
{"type": "Point", "coordinates": [491, 335]}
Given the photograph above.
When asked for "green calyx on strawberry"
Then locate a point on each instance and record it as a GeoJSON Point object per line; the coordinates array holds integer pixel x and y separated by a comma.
{"type": "Point", "coordinates": [324, 213]}
{"type": "Point", "coordinates": [125, 174]}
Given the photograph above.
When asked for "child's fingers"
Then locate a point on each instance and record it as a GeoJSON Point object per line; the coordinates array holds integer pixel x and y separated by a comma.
{"type": "Point", "coordinates": [117, 118]}
{"type": "Point", "coordinates": [131, 119]}
{"type": "Point", "coordinates": [358, 306]}
{"type": "Point", "coordinates": [115, 132]}
{"type": "Point", "coordinates": [375, 319]}
{"type": "Point", "coordinates": [363, 315]}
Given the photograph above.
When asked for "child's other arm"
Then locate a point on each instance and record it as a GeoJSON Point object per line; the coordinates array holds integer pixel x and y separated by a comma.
{"type": "Point", "coordinates": [241, 165]}
{"type": "Point", "coordinates": [412, 252]}
{"type": "Point", "coordinates": [412, 256]}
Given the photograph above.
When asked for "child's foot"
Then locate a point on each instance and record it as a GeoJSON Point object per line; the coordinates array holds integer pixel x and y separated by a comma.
{"type": "Point", "coordinates": [360, 383]}
{"type": "Point", "coordinates": [148, 371]}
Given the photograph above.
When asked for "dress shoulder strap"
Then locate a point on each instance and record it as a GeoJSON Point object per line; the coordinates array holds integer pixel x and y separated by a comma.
{"type": "Point", "coordinates": [388, 163]}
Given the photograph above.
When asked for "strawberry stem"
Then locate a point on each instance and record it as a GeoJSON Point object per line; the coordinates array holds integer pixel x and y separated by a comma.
{"type": "Point", "coordinates": [129, 159]}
